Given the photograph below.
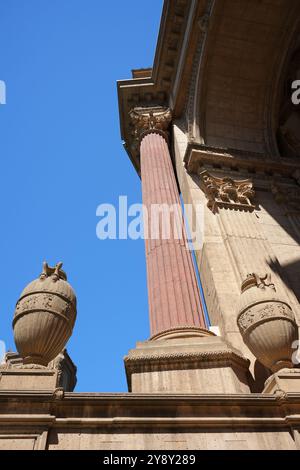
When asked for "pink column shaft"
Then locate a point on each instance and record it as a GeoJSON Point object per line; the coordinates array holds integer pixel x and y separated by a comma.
{"type": "Point", "coordinates": [173, 291]}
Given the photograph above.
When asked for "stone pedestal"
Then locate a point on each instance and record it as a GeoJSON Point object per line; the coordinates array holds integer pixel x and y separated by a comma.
{"type": "Point", "coordinates": [285, 380]}
{"type": "Point", "coordinates": [186, 361]}
{"type": "Point", "coordinates": [60, 373]}
{"type": "Point", "coordinates": [29, 379]}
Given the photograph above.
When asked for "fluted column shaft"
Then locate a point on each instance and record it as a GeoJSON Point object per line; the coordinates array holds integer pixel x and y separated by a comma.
{"type": "Point", "coordinates": [173, 292]}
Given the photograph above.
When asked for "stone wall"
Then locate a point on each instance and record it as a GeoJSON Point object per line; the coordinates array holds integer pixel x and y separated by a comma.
{"type": "Point", "coordinates": [33, 420]}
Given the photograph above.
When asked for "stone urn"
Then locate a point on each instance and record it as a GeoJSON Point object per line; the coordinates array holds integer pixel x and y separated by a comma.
{"type": "Point", "coordinates": [267, 323]}
{"type": "Point", "coordinates": [44, 316]}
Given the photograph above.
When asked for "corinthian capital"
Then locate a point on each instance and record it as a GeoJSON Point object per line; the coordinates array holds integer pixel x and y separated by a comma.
{"type": "Point", "coordinates": [227, 193]}
{"type": "Point", "coordinates": [147, 120]}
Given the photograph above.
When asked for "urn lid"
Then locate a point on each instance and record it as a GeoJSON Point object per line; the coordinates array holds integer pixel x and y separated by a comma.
{"type": "Point", "coordinates": [53, 280]}
{"type": "Point", "coordinates": [255, 280]}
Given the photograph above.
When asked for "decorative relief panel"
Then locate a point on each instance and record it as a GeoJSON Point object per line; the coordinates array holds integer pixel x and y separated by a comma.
{"type": "Point", "coordinates": [227, 192]}
{"type": "Point", "coordinates": [42, 301]}
{"type": "Point", "coordinates": [257, 313]}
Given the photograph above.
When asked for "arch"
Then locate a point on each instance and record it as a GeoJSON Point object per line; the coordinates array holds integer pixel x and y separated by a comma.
{"type": "Point", "coordinates": [239, 77]}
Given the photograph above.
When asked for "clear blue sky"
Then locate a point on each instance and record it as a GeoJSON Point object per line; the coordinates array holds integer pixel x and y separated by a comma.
{"type": "Point", "coordinates": [62, 156]}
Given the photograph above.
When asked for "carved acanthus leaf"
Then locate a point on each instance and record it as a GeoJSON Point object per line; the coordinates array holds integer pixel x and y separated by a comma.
{"type": "Point", "coordinates": [227, 192]}
{"type": "Point", "coordinates": [147, 120]}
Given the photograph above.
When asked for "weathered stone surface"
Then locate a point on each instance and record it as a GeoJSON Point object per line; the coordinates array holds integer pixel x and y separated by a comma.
{"type": "Point", "coordinates": [28, 379]}
{"type": "Point", "coordinates": [186, 361]}
{"type": "Point", "coordinates": [284, 381]}
{"type": "Point", "coordinates": [61, 372]}
{"type": "Point", "coordinates": [149, 421]}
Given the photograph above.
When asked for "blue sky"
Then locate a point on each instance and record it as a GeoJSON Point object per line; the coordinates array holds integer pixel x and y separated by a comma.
{"type": "Point", "coordinates": [62, 156]}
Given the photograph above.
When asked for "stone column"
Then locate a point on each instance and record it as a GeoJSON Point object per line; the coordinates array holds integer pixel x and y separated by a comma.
{"type": "Point", "coordinates": [182, 356]}
{"type": "Point", "coordinates": [174, 299]}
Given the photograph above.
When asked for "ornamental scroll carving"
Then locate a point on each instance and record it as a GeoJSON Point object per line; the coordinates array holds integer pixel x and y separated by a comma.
{"type": "Point", "coordinates": [227, 192]}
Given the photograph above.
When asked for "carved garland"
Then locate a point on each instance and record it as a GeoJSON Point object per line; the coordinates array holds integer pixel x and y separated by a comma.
{"type": "Point", "coordinates": [257, 314]}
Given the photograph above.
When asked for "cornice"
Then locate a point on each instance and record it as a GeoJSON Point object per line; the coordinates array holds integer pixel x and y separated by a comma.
{"type": "Point", "coordinates": [157, 399]}
{"type": "Point", "coordinates": [178, 422]}
{"type": "Point", "coordinates": [178, 80]}
{"type": "Point", "coordinates": [29, 408]}
{"type": "Point", "coordinates": [157, 421]}
{"type": "Point", "coordinates": [170, 69]}
{"type": "Point", "coordinates": [200, 359]}
{"type": "Point", "coordinates": [198, 155]}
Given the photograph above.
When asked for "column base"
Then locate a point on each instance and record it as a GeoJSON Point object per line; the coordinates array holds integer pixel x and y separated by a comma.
{"type": "Point", "coordinates": [285, 380]}
{"type": "Point", "coordinates": [186, 360]}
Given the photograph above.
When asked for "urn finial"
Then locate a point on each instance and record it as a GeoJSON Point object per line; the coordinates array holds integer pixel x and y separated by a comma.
{"type": "Point", "coordinates": [44, 316]}
{"type": "Point", "coordinates": [56, 272]}
{"type": "Point", "coordinates": [255, 280]}
{"type": "Point", "coordinates": [266, 322]}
